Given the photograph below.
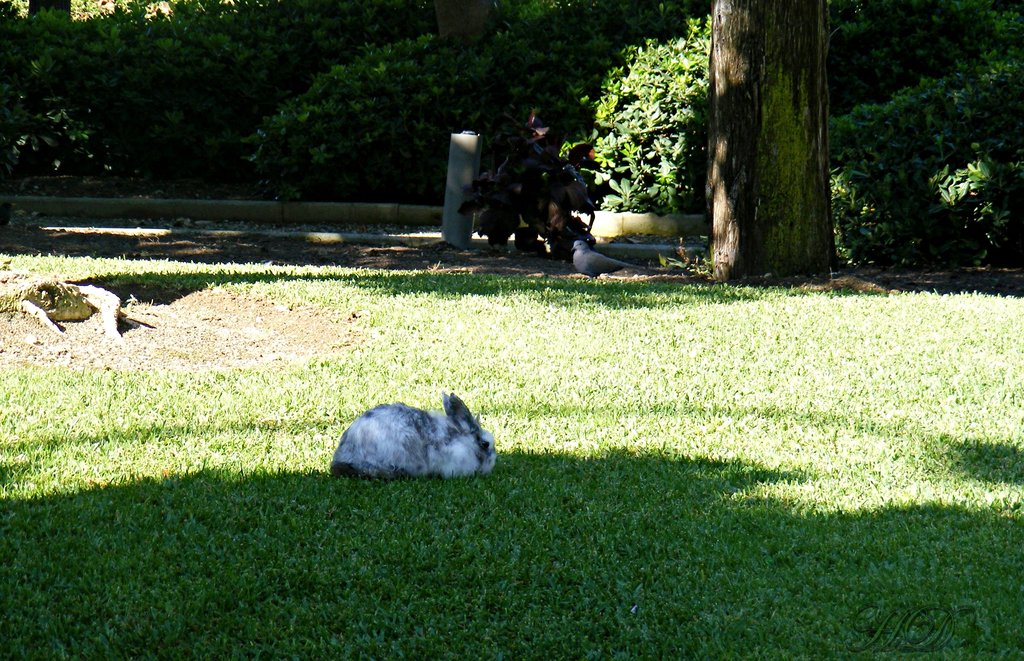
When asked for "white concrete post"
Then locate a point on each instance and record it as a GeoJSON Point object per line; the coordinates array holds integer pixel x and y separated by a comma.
{"type": "Point", "coordinates": [463, 167]}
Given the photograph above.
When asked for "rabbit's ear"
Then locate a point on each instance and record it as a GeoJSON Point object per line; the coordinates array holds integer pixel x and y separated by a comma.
{"type": "Point", "coordinates": [458, 412]}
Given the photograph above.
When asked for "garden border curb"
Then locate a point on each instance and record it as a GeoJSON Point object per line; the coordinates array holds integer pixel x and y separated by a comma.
{"type": "Point", "coordinates": [607, 225]}
{"type": "Point", "coordinates": [418, 240]}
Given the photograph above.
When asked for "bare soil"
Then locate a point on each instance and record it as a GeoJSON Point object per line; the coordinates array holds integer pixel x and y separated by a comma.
{"type": "Point", "coordinates": [207, 329]}
{"type": "Point", "coordinates": [212, 329]}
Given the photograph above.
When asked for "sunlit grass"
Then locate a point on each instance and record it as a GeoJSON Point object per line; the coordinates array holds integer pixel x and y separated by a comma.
{"type": "Point", "coordinates": [696, 470]}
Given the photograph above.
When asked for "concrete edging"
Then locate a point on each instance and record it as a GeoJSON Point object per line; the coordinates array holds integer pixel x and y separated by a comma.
{"type": "Point", "coordinates": [610, 225]}
{"type": "Point", "coordinates": [606, 225]}
{"type": "Point", "coordinates": [255, 211]}
{"type": "Point", "coordinates": [620, 250]}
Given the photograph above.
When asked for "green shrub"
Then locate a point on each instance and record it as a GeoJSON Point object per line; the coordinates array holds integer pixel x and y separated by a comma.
{"type": "Point", "coordinates": [175, 95]}
{"type": "Point", "coordinates": [162, 95]}
{"type": "Point", "coordinates": [15, 128]}
{"type": "Point", "coordinates": [300, 39]}
{"type": "Point", "coordinates": [879, 47]}
{"type": "Point", "coordinates": [934, 176]}
{"type": "Point", "coordinates": [555, 56]}
{"type": "Point", "coordinates": [376, 128]}
{"type": "Point", "coordinates": [158, 96]}
{"type": "Point", "coordinates": [348, 100]}
{"type": "Point", "coordinates": [26, 136]}
{"type": "Point", "coordinates": [44, 131]}
{"type": "Point", "coordinates": [986, 198]}
{"type": "Point", "coordinates": [651, 126]}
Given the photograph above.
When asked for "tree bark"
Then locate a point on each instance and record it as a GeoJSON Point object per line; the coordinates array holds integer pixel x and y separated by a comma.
{"type": "Point", "coordinates": [462, 19]}
{"type": "Point", "coordinates": [768, 177]}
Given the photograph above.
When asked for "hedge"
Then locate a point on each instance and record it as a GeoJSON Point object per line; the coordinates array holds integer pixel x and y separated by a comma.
{"type": "Point", "coordinates": [173, 95]}
{"type": "Point", "coordinates": [935, 176]}
{"type": "Point", "coordinates": [324, 99]}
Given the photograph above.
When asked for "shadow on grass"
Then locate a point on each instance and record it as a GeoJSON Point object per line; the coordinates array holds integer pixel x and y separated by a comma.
{"type": "Point", "coordinates": [987, 461]}
{"type": "Point", "coordinates": [159, 287]}
{"type": "Point", "coordinates": [620, 293]}
{"type": "Point", "coordinates": [641, 556]}
{"type": "Point", "coordinates": [410, 271]}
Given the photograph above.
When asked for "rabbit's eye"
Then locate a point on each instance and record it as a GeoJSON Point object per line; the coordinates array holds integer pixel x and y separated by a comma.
{"type": "Point", "coordinates": [482, 442]}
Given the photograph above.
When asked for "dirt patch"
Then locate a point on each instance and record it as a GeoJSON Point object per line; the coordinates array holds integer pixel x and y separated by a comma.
{"type": "Point", "coordinates": [208, 329]}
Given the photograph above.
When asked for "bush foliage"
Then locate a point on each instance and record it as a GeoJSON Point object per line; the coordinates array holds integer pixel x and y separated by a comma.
{"type": "Point", "coordinates": [879, 47]}
{"type": "Point", "coordinates": [376, 128]}
{"type": "Point", "coordinates": [651, 125]}
{"type": "Point", "coordinates": [404, 99]}
{"type": "Point", "coordinates": [173, 94]}
{"type": "Point", "coordinates": [935, 176]}
{"type": "Point", "coordinates": [354, 100]}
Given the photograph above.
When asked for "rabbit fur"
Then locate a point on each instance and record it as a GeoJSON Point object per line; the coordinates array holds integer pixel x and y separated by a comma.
{"type": "Point", "coordinates": [395, 440]}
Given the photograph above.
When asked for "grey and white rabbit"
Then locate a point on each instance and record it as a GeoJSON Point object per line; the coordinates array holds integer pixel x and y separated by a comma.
{"type": "Point", "coordinates": [395, 440]}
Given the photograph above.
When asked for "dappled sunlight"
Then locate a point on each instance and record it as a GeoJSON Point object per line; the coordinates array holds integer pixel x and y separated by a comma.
{"type": "Point", "coordinates": [992, 463]}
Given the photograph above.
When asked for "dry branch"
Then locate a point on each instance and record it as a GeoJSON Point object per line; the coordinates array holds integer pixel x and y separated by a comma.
{"type": "Point", "coordinates": [50, 300]}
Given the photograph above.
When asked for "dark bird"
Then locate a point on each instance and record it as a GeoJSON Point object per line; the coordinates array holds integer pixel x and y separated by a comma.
{"type": "Point", "coordinates": [5, 213]}
{"type": "Point", "coordinates": [590, 262]}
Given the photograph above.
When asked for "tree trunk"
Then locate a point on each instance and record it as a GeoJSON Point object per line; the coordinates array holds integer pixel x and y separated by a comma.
{"type": "Point", "coordinates": [768, 176]}
{"type": "Point", "coordinates": [462, 19]}
{"type": "Point", "coordinates": [34, 6]}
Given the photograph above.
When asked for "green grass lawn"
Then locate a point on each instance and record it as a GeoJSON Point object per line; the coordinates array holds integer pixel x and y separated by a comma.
{"type": "Point", "coordinates": [700, 471]}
